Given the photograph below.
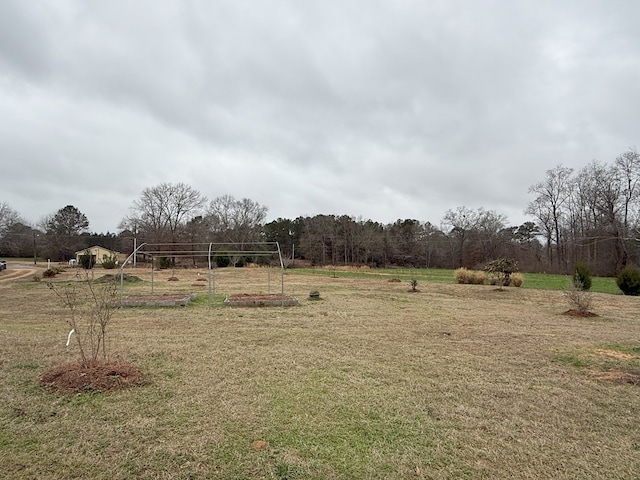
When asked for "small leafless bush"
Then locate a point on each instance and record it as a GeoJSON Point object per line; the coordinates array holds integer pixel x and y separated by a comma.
{"type": "Point", "coordinates": [579, 298]}
{"type": "Point", "coordinates": [90, 307]}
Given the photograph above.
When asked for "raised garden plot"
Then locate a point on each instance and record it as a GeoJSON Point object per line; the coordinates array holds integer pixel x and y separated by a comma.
{"type": "Point", "coordinates": [166, 300]}
{"type": "Point", "coordinates": [260, 300]}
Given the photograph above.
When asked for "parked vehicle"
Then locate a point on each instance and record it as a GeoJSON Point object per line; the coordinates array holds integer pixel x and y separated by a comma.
{"type": "Point", "coordinates": [3, 265]}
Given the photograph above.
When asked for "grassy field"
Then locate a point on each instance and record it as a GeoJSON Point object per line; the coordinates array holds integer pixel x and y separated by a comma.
{"type": "Point", "coordinates": [543, 281]}
{"type": "Point", "coordinates": [370, 382]}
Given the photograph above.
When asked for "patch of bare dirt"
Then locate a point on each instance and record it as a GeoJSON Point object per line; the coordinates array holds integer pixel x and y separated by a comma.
{"type": "Point", "coordinates": [579, 313]}
{"type": "Point", "coordinates": [100, 376]}
{"type": "Point", "coordinates": [259, 444]}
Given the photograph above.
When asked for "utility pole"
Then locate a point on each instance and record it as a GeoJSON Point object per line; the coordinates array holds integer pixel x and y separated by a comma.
{"type": "Point", "coordinates": [135, 244]}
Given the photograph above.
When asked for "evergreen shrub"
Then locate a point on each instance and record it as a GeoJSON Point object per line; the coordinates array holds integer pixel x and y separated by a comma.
{"type": "Point", "coordinates": [628, 280]}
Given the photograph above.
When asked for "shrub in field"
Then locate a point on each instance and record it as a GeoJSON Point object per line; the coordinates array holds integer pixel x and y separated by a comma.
{"type": "Point", "coordinates": [516, 279]}
{"type": "Point", "coordinates": [414, 285]}
{"type": "Point", "coordinates": [578, 296]}
{"type": "Point", "coordinates": [50, 273]}
{"type": "Point", "coordinates": [110, 262]}
{"type": "Point", "coordinates": [581, 276]}
{"type": "Point", "coordinates": [222, 259]}
{"type": "Point", "coordinates": [90, 308]}
{"type": "Point", "coordinates": [503, 268]}
{"type": "Point", "coordinates": [164, 262]}
{"type": "Point", "coordinates": [628, 280]}
{"type": "Point", "coordinates": [469, 277]}
{"type": "Point", "coordinates": [477, 277]}
{"type": "Point", "coordinates": [86, 260]}
{"type": "Point", "coordinates": [461, 275]}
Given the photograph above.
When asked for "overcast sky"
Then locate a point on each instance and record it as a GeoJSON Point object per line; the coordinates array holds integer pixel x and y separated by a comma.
{"type": "Point", "coordinates": [381, 109]}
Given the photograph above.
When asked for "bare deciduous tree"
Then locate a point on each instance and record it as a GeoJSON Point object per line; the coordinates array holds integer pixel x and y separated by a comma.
{"type": "Point", "coordinates": [549, 208]}
{"type": "Point", "coordinates": [8, 217]}
{"type": "Point", "coordinates": [234, 220]}
{"type": "Point", "coordinates": [474, 235]}
{"type": "Point", "coordinates": [11, 226]}
{"type": "Point", "coordinates": [162, 211]}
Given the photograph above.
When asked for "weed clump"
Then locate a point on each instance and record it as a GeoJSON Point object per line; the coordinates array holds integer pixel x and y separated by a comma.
{"type": "Point", "coordinates": [49, 273]}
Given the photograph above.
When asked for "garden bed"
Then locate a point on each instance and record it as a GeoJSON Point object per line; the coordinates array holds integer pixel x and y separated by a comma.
{"type": "Point", "coordinates": [260, 300]}
{"type": "Point", "coordinates": [165, 300]}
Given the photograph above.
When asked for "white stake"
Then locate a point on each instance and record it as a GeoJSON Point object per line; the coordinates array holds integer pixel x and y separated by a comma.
{"type": "Point", "coordinates": [69, 336]}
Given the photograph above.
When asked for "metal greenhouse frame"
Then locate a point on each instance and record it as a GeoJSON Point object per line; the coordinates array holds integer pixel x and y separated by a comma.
{"type": "Point", "coordinates": [208, 250]}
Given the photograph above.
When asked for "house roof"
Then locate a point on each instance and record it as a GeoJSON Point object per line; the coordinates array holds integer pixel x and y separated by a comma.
{"type": "Point", "coordinates": [80, 252]}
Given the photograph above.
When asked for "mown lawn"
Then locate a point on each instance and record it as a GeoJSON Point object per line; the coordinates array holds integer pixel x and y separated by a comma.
{"type": "Point", "coordinates": [543, 281]}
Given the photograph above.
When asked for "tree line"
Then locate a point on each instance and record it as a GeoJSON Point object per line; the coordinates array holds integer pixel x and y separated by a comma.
{"type": "Point", "coordinates": [591, 216]}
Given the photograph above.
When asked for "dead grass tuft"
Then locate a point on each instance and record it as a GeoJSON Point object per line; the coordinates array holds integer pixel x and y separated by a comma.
{"type": "Point", "coordinates": [619, 376]}
{"type": "Point", "coordinates": [615, 354]}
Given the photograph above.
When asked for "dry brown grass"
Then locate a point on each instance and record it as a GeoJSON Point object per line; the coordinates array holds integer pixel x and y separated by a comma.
{"type": "Point", "coordinates": [457, 381]}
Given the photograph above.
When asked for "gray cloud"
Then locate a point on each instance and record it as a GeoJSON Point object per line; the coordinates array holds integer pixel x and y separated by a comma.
{"type": "Point", "coordinates": [378, 109]}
